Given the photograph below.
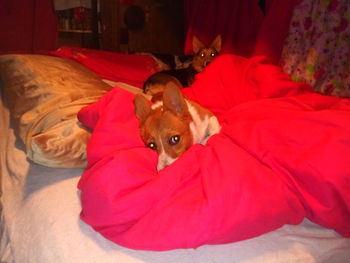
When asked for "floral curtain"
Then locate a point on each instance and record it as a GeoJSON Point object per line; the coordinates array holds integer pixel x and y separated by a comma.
{"type": "Point", "coordinates": [317, 49]}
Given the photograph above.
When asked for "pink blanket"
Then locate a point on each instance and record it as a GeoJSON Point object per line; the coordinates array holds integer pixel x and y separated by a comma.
{"type": "Point", "coordinates": [283, 155]}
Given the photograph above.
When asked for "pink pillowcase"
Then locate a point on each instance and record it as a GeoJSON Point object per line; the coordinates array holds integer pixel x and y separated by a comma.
{"type": "Point", "coordinates": [132, 69]}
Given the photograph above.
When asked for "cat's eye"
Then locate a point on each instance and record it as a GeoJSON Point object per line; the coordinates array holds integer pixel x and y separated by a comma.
{"type": "Point", "coordinates": [173, 140]}
{"type": "Point", "coordinates": [152, 145]}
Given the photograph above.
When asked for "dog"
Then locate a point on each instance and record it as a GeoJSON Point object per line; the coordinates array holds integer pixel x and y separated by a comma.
{"type": "Point", "coordinates": [156, 84]}
{"type": "Point", "coordinates": [173, 124]}
{"type": "Point", "coordinates": [203, 55]}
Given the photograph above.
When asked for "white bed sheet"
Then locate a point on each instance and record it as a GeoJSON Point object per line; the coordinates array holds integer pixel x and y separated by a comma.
{"type": "Point", "coordinates": [40, 224]}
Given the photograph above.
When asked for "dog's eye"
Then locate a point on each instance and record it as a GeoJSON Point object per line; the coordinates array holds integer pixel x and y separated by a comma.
{"type": "Point", "coordinates": [152, 145]}
{"type": "Point", "coordinates": [213, 54]}
{"type": "Point", "coordinates": [202, 55]}
{"type": "Point", "coordinates": [173, 140]}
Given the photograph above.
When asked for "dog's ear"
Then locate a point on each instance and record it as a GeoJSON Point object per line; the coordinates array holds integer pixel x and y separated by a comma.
{"type": "Point", "coordinates": [217, 43]}
{"type": "Point", "coordinates": [142, 107]}
{"type": "Point", "coordinates": [197, 45]}
{"type": "Point", "coordinates": [173, 99]}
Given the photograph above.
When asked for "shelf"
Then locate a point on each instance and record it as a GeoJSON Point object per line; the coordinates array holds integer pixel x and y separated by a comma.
{"type": "Point", "coordinates": [75, 31]}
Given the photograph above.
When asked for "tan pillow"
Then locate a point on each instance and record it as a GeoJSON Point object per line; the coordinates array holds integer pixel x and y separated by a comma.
{"type": "Point", "coordinates": [44, 94]}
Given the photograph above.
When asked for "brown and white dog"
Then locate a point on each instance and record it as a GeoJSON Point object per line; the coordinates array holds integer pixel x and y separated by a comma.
{"type": "Point", "coordinates": [203, 55]}
{"type": "Point", "coordinates": [171, 125]}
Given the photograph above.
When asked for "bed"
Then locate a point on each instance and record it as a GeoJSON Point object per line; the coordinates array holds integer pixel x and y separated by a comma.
{"type": "Point", "coordinates": [52, 205]}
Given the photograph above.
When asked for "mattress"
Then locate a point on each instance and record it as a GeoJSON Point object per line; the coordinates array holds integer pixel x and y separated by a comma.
{"type": "Point", "coordinates": [40, 223]}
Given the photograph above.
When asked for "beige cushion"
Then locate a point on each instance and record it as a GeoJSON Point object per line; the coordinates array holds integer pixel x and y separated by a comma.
{"type": "Point", "coordinates": [44, 94]}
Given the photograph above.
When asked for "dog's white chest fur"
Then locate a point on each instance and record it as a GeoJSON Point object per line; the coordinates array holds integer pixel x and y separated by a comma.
{"type": "Point", "coordinates": [202, 127]}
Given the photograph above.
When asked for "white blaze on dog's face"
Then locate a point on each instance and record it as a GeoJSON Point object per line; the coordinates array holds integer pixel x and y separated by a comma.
{"type": "Point", "coordinates": [204, 54]}
{"type": "Point", "coordinates": [165, 127]}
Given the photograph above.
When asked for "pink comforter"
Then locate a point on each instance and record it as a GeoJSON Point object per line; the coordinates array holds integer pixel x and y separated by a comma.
{"type": "Point", "coordinates": [283, 155]}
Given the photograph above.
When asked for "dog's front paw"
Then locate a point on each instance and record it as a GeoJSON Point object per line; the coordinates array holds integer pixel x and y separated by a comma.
{"type": "Point", "coordinates": [214, 127]}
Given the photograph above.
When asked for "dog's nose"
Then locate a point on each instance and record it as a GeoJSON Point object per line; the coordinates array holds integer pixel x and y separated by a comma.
{"type": "Point", "coordinates": [207, 63]}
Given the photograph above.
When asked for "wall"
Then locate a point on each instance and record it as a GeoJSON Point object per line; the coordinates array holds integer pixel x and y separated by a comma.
{"type": "Point", "coordinates": [164, 28]}
{"type": "Point", "coordinates": [163, 31]}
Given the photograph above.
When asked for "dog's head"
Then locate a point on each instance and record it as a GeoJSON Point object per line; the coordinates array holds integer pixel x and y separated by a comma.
{"type": "Point", "coordinates": [203, 54]}
{"type": "Point", "coordinates": [165, 125]}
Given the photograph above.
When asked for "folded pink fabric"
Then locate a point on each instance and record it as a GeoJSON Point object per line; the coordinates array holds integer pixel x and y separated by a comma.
{"type": "Point", "coordinates": [283, 155]}
{"type": "Point", "coordinates": [132, 69]}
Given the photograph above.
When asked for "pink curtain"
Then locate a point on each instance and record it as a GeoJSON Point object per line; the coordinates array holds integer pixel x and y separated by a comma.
{"type": "Point", "coordinates": [27, 26]}
{"type": "Point", "coordinates": [274, 29]}
{"type": "Point", "coordinates": [237, 21]}
{"type": "Point", "coordinates": [245, 30]}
